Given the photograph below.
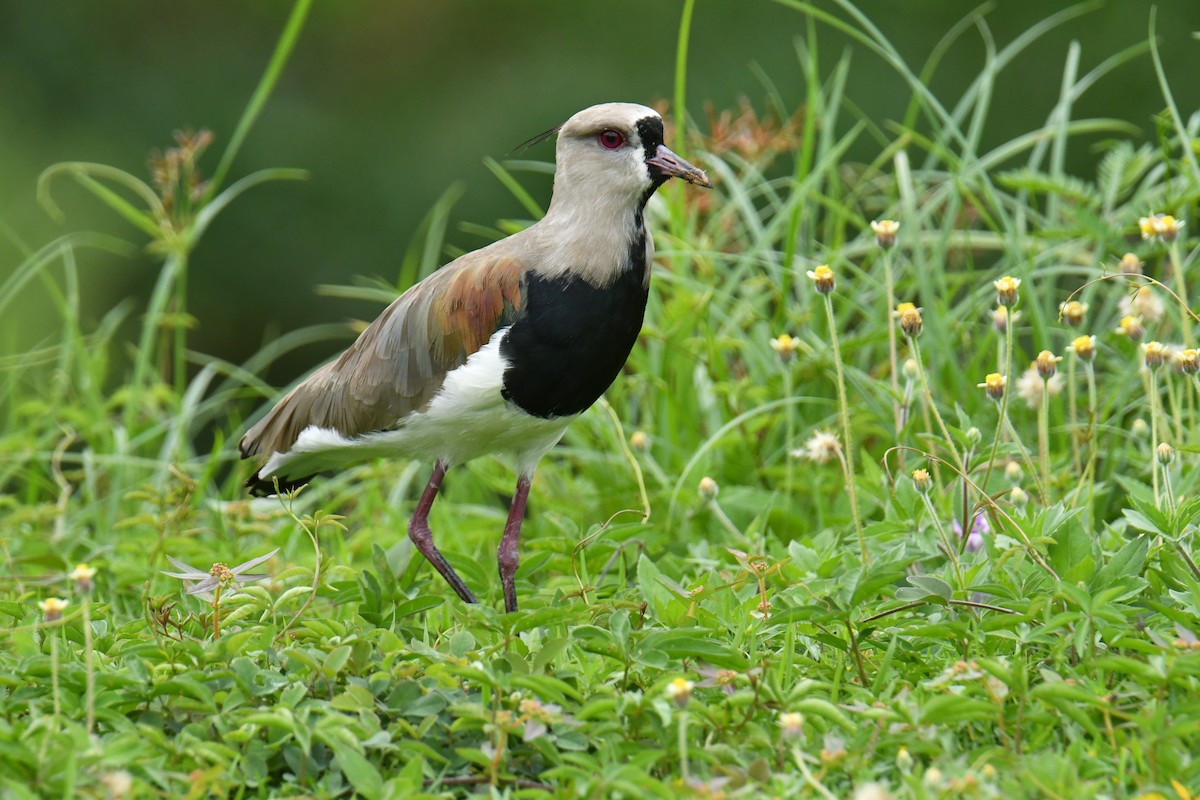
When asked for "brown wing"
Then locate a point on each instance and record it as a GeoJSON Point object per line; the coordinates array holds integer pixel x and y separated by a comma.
{"type": "Point", "coordinates": [399, 362]}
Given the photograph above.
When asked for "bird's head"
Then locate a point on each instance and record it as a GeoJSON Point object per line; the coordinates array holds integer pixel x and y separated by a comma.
{"type": "Point", "coordinates": [617, 149]}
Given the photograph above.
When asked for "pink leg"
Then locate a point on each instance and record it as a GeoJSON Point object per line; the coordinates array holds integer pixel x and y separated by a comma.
{"type": "Point", "coordinates": [507, 555]}
{"type": "Point", "coordinates": [422, 537]}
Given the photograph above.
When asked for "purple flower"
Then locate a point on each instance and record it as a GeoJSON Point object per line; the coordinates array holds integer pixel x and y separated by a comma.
{"type": "Point", "coordinates": [979, 529]}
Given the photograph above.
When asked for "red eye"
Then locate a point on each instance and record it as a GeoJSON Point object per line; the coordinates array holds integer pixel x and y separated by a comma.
{"type": "Point", "coordinates": [611, 139]}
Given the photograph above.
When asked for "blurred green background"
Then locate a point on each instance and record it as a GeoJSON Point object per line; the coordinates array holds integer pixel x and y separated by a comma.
{"type": "Point", "coordinates": [389, 103]}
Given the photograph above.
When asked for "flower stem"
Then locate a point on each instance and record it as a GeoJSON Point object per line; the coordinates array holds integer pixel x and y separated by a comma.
{"type": "Point", "coordinates": [683, 748]}
{"type": "Point", "coordinates": [1153, 392]}
{"type": "Point", "coordinates": [951, 551]}
{"type": "Point", "coordinates": [937, 415]}
{"type": "Point", "coordinates": [893, 359]}
{"type": "Point", "coordinates": [1044, 433]}
{"type": "Point", "coordinates": [1005, 370]}
{"type": "Point", "coordinates": [848, 445]}
{"type": "Point", "coordinates": [90, 665]}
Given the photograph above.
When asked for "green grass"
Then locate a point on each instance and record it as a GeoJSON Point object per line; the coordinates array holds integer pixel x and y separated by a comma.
{"type": "Point", "coordinates": [689, 579]}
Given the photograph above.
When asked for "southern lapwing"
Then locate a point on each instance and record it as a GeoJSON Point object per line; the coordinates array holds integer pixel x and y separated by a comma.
{"type": "Point", "coordinates": [499, 350]}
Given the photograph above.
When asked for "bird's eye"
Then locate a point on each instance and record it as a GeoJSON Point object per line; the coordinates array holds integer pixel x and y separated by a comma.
{"type": "Point", "coordinates": [611, 139]}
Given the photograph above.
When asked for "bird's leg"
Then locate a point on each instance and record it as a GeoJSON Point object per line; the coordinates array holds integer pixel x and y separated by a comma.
{"type": "Point", "coordinates": [422, 537]}
{"type": "Point", "coordinates": [507, 555]}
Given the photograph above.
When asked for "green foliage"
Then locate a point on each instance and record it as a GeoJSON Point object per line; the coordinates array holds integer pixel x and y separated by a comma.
{"type": "Point", "coordinates": [691, 572]}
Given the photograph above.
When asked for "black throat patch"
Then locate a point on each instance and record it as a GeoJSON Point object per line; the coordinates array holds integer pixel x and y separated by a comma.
{"type": "Point", "coordinates": [571, 342]}
{"type": "Point", "coordinates": [650, 131]}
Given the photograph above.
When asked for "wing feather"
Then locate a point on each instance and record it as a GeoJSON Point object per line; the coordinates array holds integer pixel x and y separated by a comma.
{"type": "Point", "coordinates": [400, 361]}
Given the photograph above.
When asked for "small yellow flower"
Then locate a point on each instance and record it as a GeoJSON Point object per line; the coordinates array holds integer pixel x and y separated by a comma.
{"type": "Point", "coordinates": [1131, 327]}
{"type": "Point", "coordinates": [885, 231]}
{"type": "Point", "coordinates": [785, 346]}
{"type": "Point", "coordinates": [823, 278]}
{"type": "Point", "coordinates": [708, 488]}
{"type": "Point", "coordinates": [904, 759]}
{"type": "Point", "coordinates": [1084, 347]}
{"type": "Point", "coordinates": [910, 319]}
{"type": "Point", "coordinates": [1154, 353]}
{"type": "Point", "coordinates": [1047, 364]}
{"type": "Point", "coordinates": [994, 384]}
{"type": "Point", "coordinates": [791, 724]}
{"type": "Point", "coordinates": [638, 440]}
{"type": "Point", "coordinates": [1162, 226]}
{"type": "Point", "coordinates": [82, 576]}
{"type": "Point", "coordinates": [1131, 264]}
{"type": "Point", "coordinates": [680, 691]}
{"type": "Point", "coordinates": [1006, 290]}
{"type": "Point", "coordinates": [1072, 312]}
{"type": "Point", "coordinates": [921, 480]}
{"type": "Point", "coordinates": [52, 608]}
{"type": "Point", "coordinates": [1001, 317]}
{"type": "Point", "coordinates": [1164, 453]}
{"type": "Point", "coordinates": [1188, 361]}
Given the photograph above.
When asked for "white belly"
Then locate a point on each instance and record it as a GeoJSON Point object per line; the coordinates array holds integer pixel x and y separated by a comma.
{"type": "Point", "coordinates": [467, 418]}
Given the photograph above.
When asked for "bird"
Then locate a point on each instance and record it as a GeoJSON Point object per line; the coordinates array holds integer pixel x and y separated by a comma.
{"type": "Point", "coordinates": [499, 350]}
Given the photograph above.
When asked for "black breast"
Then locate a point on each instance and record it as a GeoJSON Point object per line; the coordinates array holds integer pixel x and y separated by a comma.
{"type": "Point", "coordinates": [572, 341]}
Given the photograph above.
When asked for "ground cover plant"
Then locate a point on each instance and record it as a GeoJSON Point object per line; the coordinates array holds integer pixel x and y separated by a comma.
{"type": "Point", "coordinates": [895, 496]}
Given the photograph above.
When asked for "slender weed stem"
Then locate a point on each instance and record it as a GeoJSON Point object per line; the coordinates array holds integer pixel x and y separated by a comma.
{"type": "Point", "coordinates": [1044, 433]}
{"type": "Point", "coordinates": [848, 442]}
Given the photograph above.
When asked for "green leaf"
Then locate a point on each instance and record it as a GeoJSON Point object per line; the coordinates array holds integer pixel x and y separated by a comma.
{"type": "Point", "coordinates": [1071, 551]}
{"type": "Point", "coordinates": [361, 773]}
{"type": "Point", "coordinates": [1126, 562]}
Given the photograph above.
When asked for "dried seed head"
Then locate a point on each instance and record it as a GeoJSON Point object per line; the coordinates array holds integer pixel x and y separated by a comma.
{"type": "Point", "coordinates": [1188, 361]}
{"type": "Point", "coordinates": [885, 231]}
{"type": "Point", "coordinates": [922, 481]}
{"type": "Point", "coordinates": [823, 278]}
{"type": "Point", "coordinates": [1072, 312]}
{"type": "Point", "coordinates": [1012, 471]}
{"type": "Point", "coordinates": [785, 346]}
{"type": "Point", "coordinates": [1131, 264]}
{"type": "Point", "coordinates": [1145, 303]}
{"type": "Point", "coordinates": [1164, 453]}
{"type": "Point", "coordinates": [708, 488]}
{"type": "Point", "coordinates": [1047, 364]}
{"type": "Point", "coordinates": [910, 319]}
{"type": "Point", "coordinates": [994, 384]}
{"type": "Point", "coordinates": [1006, 290]}
{"type": "Point", "coordinates": [1131, 327]}
{"type": "Point", "coordinates": [1154, 353]}
{"type": "Point", "coordinates": [52, 608]}
{"type": "Point", "coordinates": [822, 447]}
{"type": "Point", "coordinates": [1084, 347]}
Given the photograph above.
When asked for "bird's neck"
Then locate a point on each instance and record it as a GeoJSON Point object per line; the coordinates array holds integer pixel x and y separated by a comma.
{"type": "Point", "coordinates": [596, 241]}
